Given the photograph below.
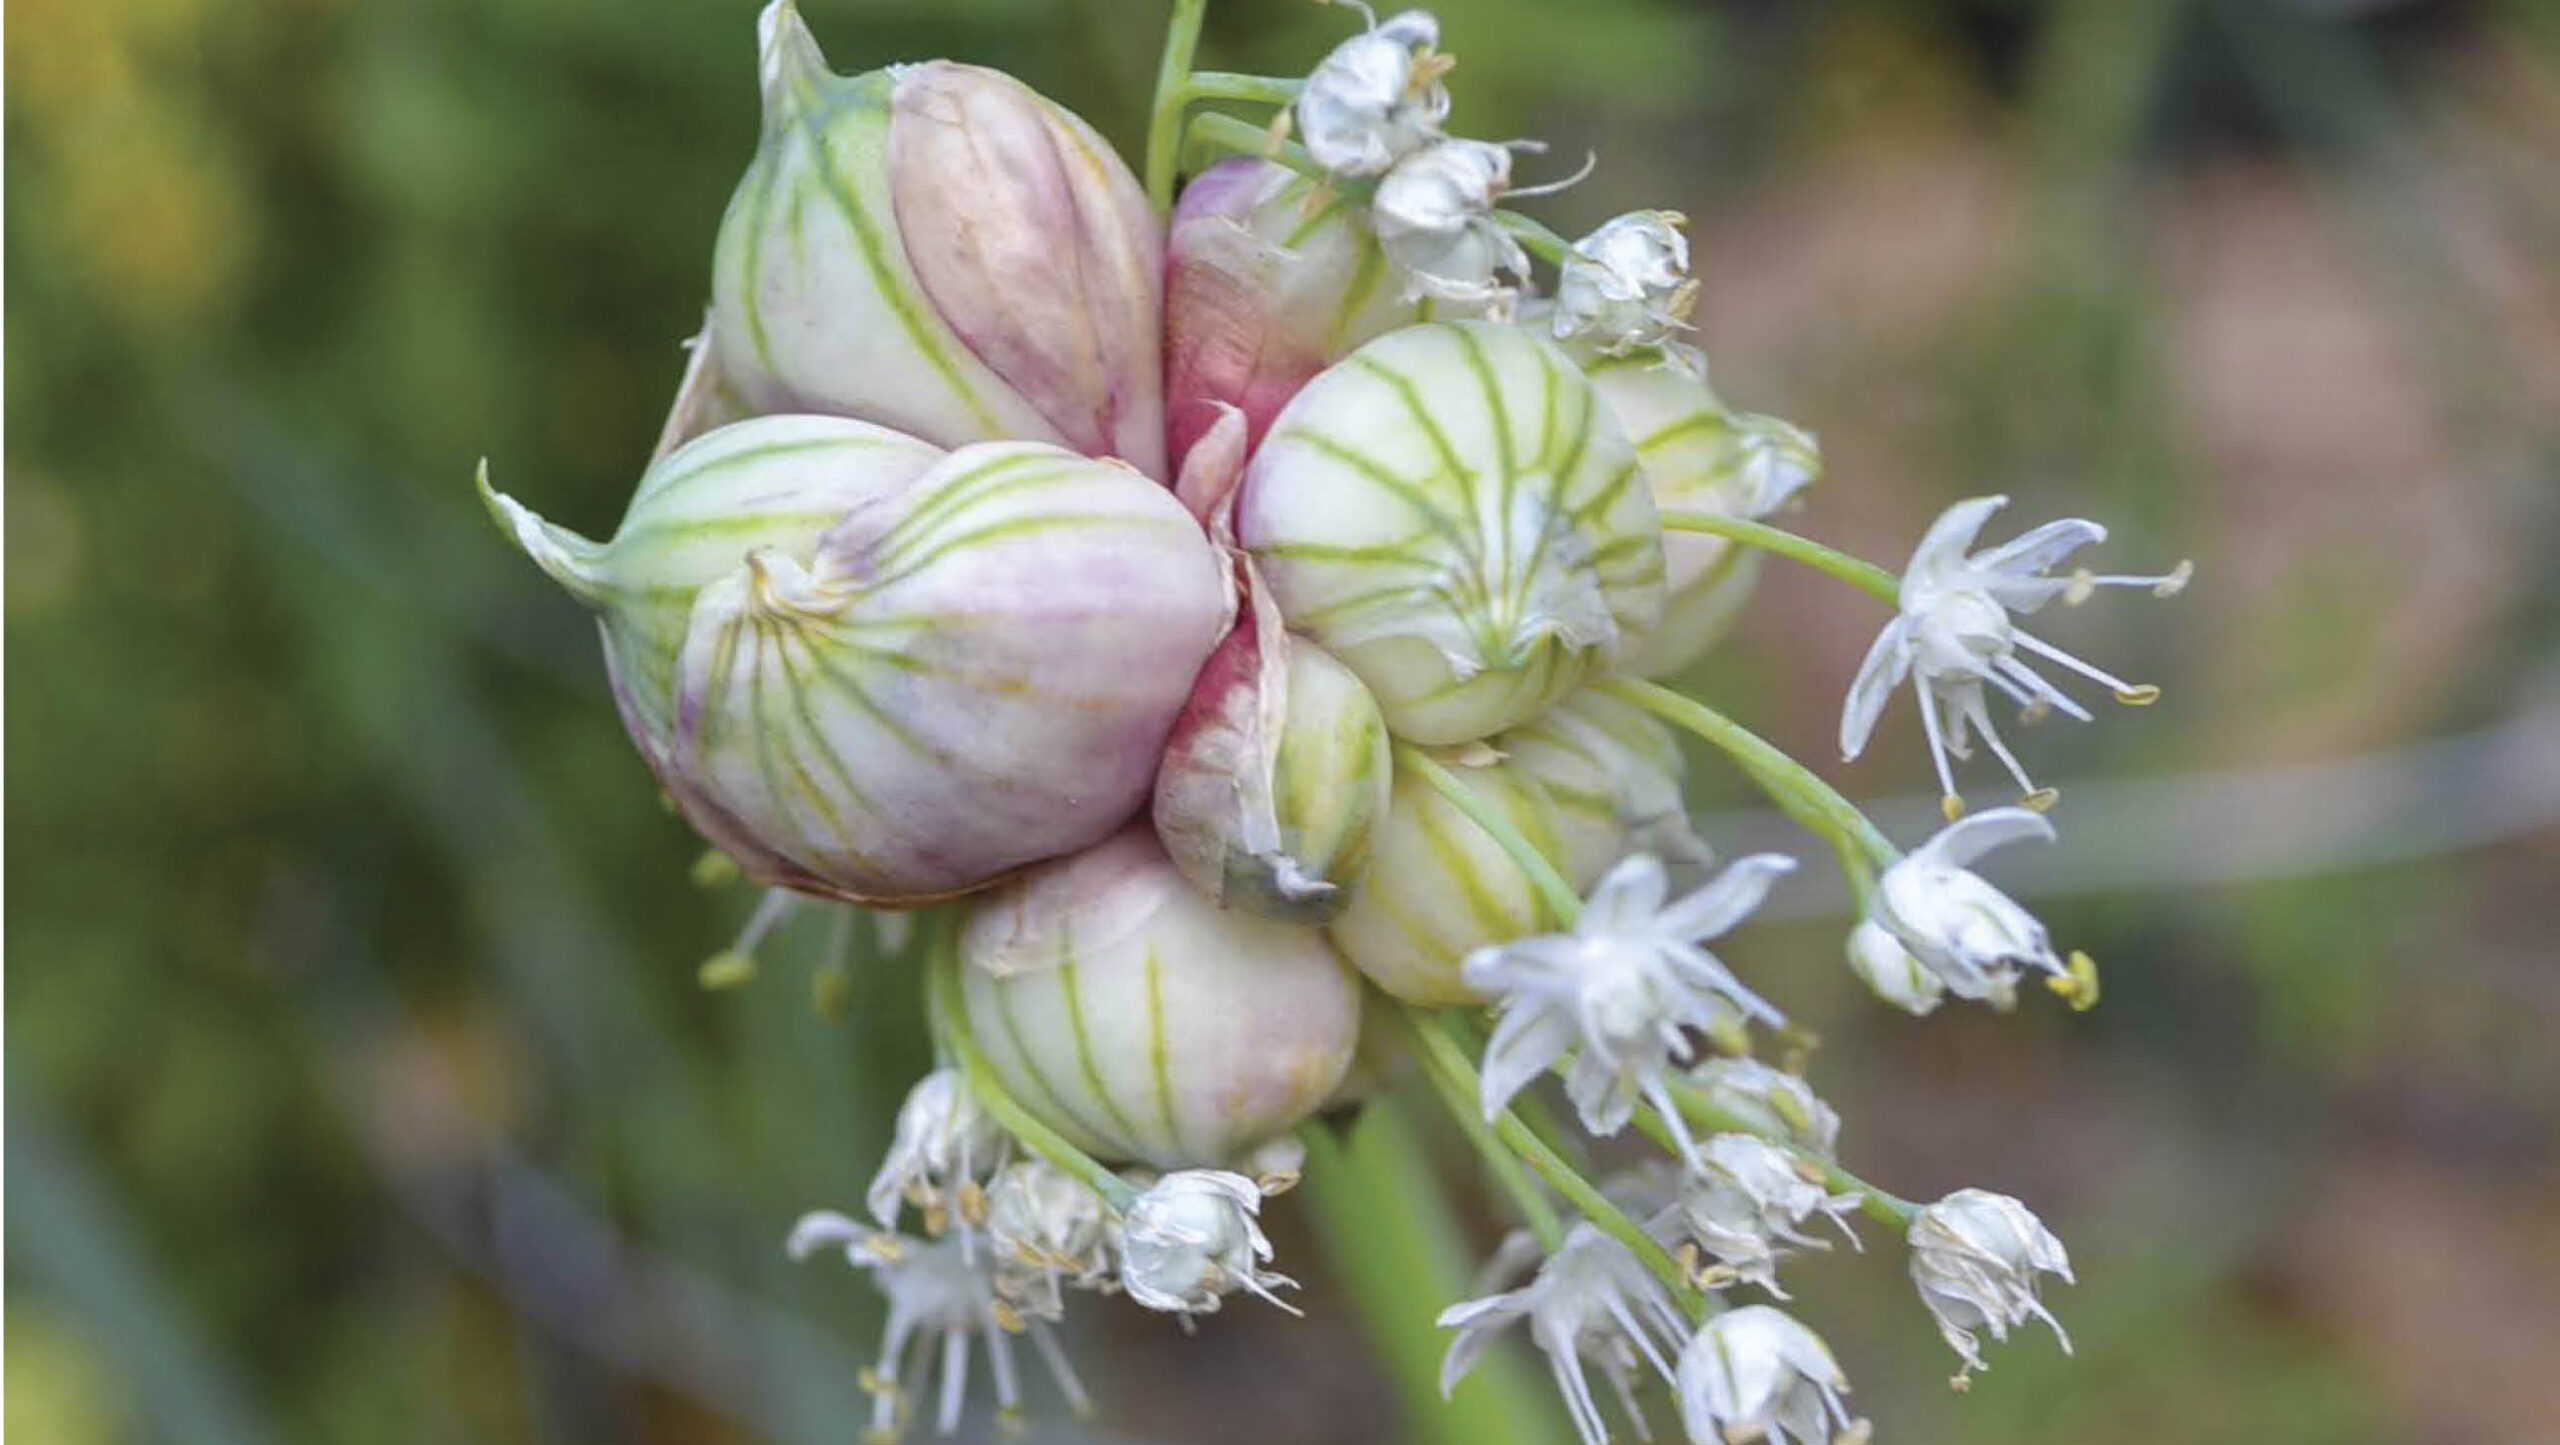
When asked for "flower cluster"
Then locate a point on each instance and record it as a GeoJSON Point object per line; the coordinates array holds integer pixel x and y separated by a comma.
{"type": "Point", "coordinates": [1228, 616]}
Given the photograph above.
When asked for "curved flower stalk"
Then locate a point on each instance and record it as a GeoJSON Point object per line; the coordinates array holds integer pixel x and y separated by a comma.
{"type": "Point", "coordinates": [1270, 277]}
{"type": "Point", "coordinates": [1276, 778]}
{"type": "Point", "coordinates": [1620, 993]}
{"type": "Point", "coordinates": [1613, 774]}
{"type": "Point", "coordinates": [942, 1300]}
{"type": "Point", "coordinates": [1191, 1239]}
{"type": "Point", "coordinates": [1975, 1256]}
{"type": "Point", "coordinates": [1143, 1022]}
{"type": "Point", "coordinates": [1590, 1304]}
{"type": "Point", "coordinates": [1454, 889]}
{"type": "Point", "coordinates": [1755, 1373]}
{"type": "Point", "coordinates": [1451, 512]}
{"type": "Point", "coordinates": [937, 248]}
{"type": "Point", "coordinates": [1699, 456]}
{"type": "Point", "coordinates": [1956, 634]}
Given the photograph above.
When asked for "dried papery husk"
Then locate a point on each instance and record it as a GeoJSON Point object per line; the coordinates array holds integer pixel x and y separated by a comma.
{"type": "Point", "coordinates": [1452, 513]}
{"type": "Point", "coordinates": [938, 248]}
{"type": "Point", "coordinates": [1700, 456]}
{"type": "Point", "coordinates": [1276, 774]}
{"type": "Point", "coordinates": [1144, 1022]}
{"type": "Point", "coordinates": [1612, 773]}
{"type": "Point", "coordinates": [1440, 886]}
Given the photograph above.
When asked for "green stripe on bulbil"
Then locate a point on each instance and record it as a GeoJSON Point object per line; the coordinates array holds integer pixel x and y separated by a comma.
{"type": "Point", "coordinates": [1160, 1051]}
{"type": "Point", "coordinates": [734, 524]}
{"type": "Point", "coordinates": [1315, 222]}
{"type": "Point", "coordinates": [1062, 1116]}
{"type": "Point", "coordinates": [1506, 449]}
{"type": "Point", "coordinates": [1493, 920]}
{"type": "Point", "coordinates": [1694, 424]}
{"type": "Point", "coordinates": [955, 491]}
{"type": "Point", "coordinates": [1408, 492]}
{"type": "Point", "coordinates": [1126, 523]}
{"type": "Point", "coordinates": [1365, 279]}
{"type": "Point", "coordinates": [663, 482]}
{"type": "Point", "coordinates": [895, 281]}
{"type": "Point", "coordinates": [1074, 998]}
{"type": "Point", "coordinates": [1549, 385]}
{"type": "Point", "coordinates": [1453, 467]}
{"type": "Point", "coordinates": [751, 263]}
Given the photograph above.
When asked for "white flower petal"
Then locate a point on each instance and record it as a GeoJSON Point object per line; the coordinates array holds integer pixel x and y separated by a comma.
{"type": "Point", "coordinates": [1887, 663]}
{"type": "Point", "coordinates": [1727, 899]}
{"type": "Point", "coordinates": [1969, 837]}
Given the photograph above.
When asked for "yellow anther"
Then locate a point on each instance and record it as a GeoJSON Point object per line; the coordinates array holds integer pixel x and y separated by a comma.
{"type": "Point", "coordinates": [886, 1248]}
{"type": "Point", "coordinates": [1790, 1111]}
{"type": "Point", "coordinates": [1730, 1038]}
{"type": "Point", "coordinates": [2035, 712]}
{"type": "Point", "coordinates": [973, 1203]}
{"type": "Point", "coordinates": [1686, 1257]}
{"type": "Point", "coordinates": [2176, 581]}
{"type": "Point", "coordinates": [937, 1220]}
{"type": "Point", "coordinates": [2079, 987]}
{"type": "Point", "coordinates": [2041, 800]}
{"type": "Point", "coordinates": [1807, 1170]}
{"type": "Point", "coordinates": [1961, 1383]}
{"type": "Point", "coordinates": [1684, 299]}
{"type": "Point", "coordinates": [1430, 68]}
{"type": "Point", "coordinates": [1276, 135]}
{"type": "Point", "coordinates": [726, 969]}
{"type": "Point", "coordinates": [714, 869]}
{"type": "Point", "coordinates": [872, 1384]}
{"type": "Point", "coordinates": [1951, 806]}
{"type": "Point", "coordinates": [2083, 585]}
{"type": "Point", "coordinates": [831, 992]}
{"type": "Point", "coordinates": [1277, 1182]}
{"type": "Point", "coordinates": [2143, 695]}
{"type": "Point", "coordinates": [1010, 1424]}
{"type": "Point", "coordinates": [1007, 1318]}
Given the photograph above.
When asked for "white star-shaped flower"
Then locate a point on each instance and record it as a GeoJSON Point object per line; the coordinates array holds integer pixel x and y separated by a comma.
{"type": "Point", "coordinates": [1192, 1238]}
{"type": "Point", "coordinates": [1376, 98]}
{"type": "Point", "coordinates": [1975, 1256]}
{"type": "Point", "coordinates": [1591, 1302]}
{"type": "Point", "coordinates": [1756, 1373]}
{"type": "Point", "coordinates": [1434, 215]}
{"type": "Point", "coordinates": [1621, 992]}
{"type": "Point", "coordinates": [1956, 634]}
{"type": "Point", "coordinates": [1971, 939]}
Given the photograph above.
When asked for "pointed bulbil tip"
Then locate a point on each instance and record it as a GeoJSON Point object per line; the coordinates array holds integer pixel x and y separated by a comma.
{"type": "Point", "coordinates": [789, 64]}
{"type": "Point", "coordinates": [564, 556]}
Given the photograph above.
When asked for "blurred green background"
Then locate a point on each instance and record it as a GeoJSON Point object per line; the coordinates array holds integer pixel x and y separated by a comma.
{"type": "Point", "coordinates": [358, 1086]}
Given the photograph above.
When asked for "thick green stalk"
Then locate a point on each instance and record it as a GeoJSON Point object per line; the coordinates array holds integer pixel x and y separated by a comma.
{"type": "Point", "coordinates": [1790, 784]}
{"type": "Point", "coordinates": [1164, 121]}
{"type": "Point", "coordinates": [951, 1032]}
{"type": "Point", "coordinates": [1458, 1093]}
{"type": "Point", "coordinates": [1251, 89]}
{"type": "Point", "coordinates": [1394, 1240]}
{"type": "Point", "coordinates": [1856, 571]}
{"type": "Point", "coordinates": [1543, 875]}
{"type": "Point", "coordinates": [1542, 243]}
{"type": "Point", "coordinates": [1229, 136]}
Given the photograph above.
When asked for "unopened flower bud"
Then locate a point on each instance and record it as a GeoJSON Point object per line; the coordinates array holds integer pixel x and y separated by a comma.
{"type": "Point", "coordinates": [1626, 285]}
{"type": "Point", "coordinates": [1612, 772]}
{"type": "Point", "coordinates": [872, 672]}
{"type": "Point", "coordinates": [1700, 457]}
{"type": "Point", "coordinates": [1047, 1228]}
{"type": "Point", "coordinates": [1434, 215]}
{"type": "Point", "coordinates": [1452, 513]}
{"type": "Point", "coordinates": [1769, 1101]}
{"type": "Point", "coordinates": [1975, 1256]}
{"type": "Point", "coordinates": [1891, 971]}
{"type": "Point", "coordinates": [938, 248]}
{"type": "Point", "coordinates": [1270, 277]}
{"type": "Point", "coordinates": [1442, 887]}
{"type": "Point", "coordinates": [1276, 776]}
{"type": "Point", "coordinates": [1192, 1239]}
{"type": "Point", "coordinates": [1376, 97]}
{"type": "Point", "coordinates": [1756, 1373]}
{"type": "Point", "coordinates": [1144, 1022]}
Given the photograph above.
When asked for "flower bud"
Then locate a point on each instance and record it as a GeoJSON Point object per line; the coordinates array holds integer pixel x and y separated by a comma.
{"type": "Point", "coordinates": [1612, 773]}
{"type": "Point", "coordinates": [1434, 214]}
{"type": "Point", "coordinates": [1700, 457]}
{"type": "Point", "coordinates": [1276, 775]}
{"type": "Point", "coordinates": [1756, 1373]}
{"type": "Point", "coordinates": [1770, 1102]}
{"type": "Point", "coordinates": [1451, 512]}
{"type": "Point", "coordinates": [869, 674]}
{"type": "Point", "coordinates": [1191, 1239]}
{"type": "Point", "coordinates": [938, 248]}
{"type": "Point", "coordinates": [1441, 887]}
{"type": "Point", "coordinates": [1975, 1258]}
{"type": "Point", "coordinates": [1377, 96]}
{"type": "Point", "coordinates": [1626, 284]}
{"type": "Point", "coordinates": [944, 1142]}
{"type": "Point", "coordinates": [1144, 1022]}
{"type": "Point", "coordinates": [1270, 277]}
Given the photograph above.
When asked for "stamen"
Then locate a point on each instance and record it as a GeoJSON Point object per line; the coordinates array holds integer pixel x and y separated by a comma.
{"type": "Point", "coordinates": [955, 1381]}
{"type": "Point", "coordinates": [726, 969]}
{"type": "Point", "coordinates": [1061, 1372]}
{"type": "Point", "coordinates": [1982, 723]}
{"type": "Point", "coordinates": [1590, 163]}
{"type": "Point", "coordinates": [2079, 986]}
{"type": "Point", "coordinates": [1950, 803]}
{"type": "Point", "coordinates": [714, 869]}
{"type": "Point", "coordinates": [2097, 675]}
{"type": "Point", "coordinates": [2167, 584]}
{"type": "Point", "coordinates": [2041, 800]}
{"type": "Point", "coordinates": [2060, 700]}
{"type": "Point", "coordinates": [2141, 695]}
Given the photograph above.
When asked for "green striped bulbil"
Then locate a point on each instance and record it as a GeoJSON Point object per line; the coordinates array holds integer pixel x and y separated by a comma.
{"type": "Point", "coordinates": [1612, 776]}
{"type": "Point", "coordinates": [1144, 1022]}
{"type": "Point", "coordinates": [1451, 512]}
{"type": "Point", "coordinates": [1442, 887]}
{"type": "Point", "coordinates": [1700, 456]}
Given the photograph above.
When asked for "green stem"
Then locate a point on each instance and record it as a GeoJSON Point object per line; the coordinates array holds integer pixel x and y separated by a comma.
{"type": "Point", "coordinates": [1164, 122]}
{"type": "Point", "coordinates": [1546, 245]}
{"type": "Point", "coordinates": [1458, 1093]}
{"type": "Point", "coordinates": [1433, 1045]}
{"type": "Point", "coordinates": [951, 1031]}
{"type": "Point", "coordinates": [1790, 784]}
{"type": "Point", "coordinates": [1560, 898]}
{"type": "Point", "coordinates": [1395, 1239]}
{"type": "Point", "coordinates": [1876, 1204]}
{"type": "Point", "coordinates": [1229, 136]}
{"type": "Point", "coordinates": [1857, 572]}
{"type": "Point", "coordinates": [1251, 89]}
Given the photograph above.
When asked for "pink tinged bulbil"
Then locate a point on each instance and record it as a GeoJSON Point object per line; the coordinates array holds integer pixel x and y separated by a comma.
{"type": "Point", "coordinates": [938, 248]}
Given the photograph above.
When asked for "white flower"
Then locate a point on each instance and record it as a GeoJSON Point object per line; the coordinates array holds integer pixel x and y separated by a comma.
{"type": "Point", "coordinates": [1741, 1204]}
{"type": "Point", "coordinates": [1620, 992]}
{"type": "Point", "coordinates": [1046, 1228]}
{"type": "Point", "coordinates": [1626, 285]}
{"type": "Point", "coordinates": [943, 1293]}
{"type": "Point", "coordinates": [1192, 1238]}
{"type": "Point", "coordinates": [1971, 936]}
{"type": "Point", "coordinates": [1770, 1102]}
{"type": "Point", "coordinates": [1434, 217]}
{"type": "Point", "coordinates": [1891, 971]}
{"type": "Point", "coordinates": [1593, 1302]}
{"type": "Point", "coordinates": [1955, 634]}
{"type": "Point", "coordinates": [943, 1143]}
{"type": "Point", "coordinates": [1975, 1256]}
{"type": "Point", "coordinates": [1755, 1373]}
{"type": "Point", "coordinates": [1376, 98]}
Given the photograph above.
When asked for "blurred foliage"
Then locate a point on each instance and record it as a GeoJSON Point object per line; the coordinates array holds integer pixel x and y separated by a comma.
{"type": "Point", "coordinates": [359, 1088]}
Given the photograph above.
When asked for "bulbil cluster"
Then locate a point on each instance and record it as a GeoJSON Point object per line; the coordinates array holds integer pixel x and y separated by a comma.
{"type": "Point", "coordinates": [1235, 616]}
